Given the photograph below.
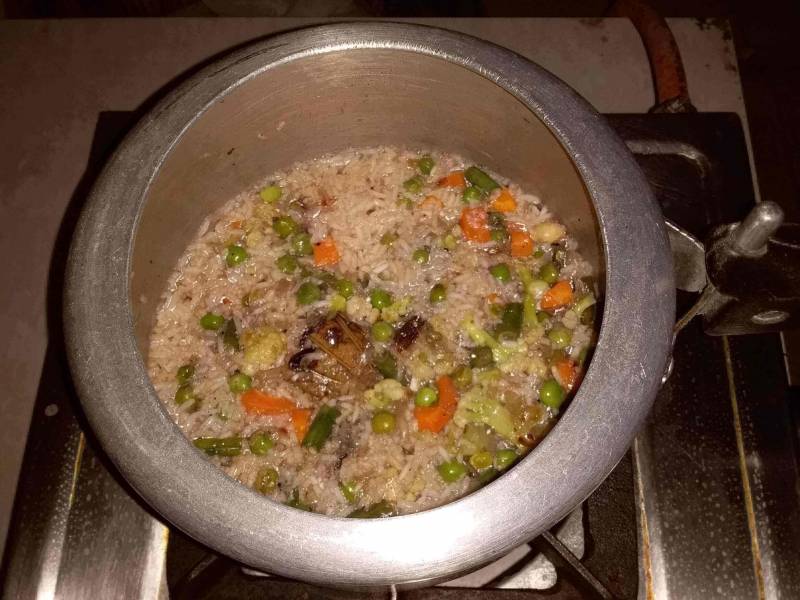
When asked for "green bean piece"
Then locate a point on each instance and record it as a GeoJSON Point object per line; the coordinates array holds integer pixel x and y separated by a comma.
{"type": "Point", "coordinates": [588, 315]}
{"type": "Point", "coordinates": [381, 331]}
{"type": "Point", "coordinates": [551, 394]}
{"type": "Point", "coordinates": [383, 422]}
{"type": "Point", "coordinates": [504, 459]}
{"type": "Point", "coordinates": [184, 373]}
{"type": "Point", "coordinates": [308, 293]}
{"type": "Point", "coordinates": [496, 219]}
{"type": "Point", "coordinates": [284, 226]}
{"type": "Point", "coordinates": [295, 502]}
{"type": "Point", "coordinates": [421, 256]}
{"type": "Point", "coordinates": [239, 382]}
{"type": "Point", "coordinates": [426, 396]}
{"type": "Point", "coordinates": [300, 244]}
{"type": "Point", "coordinates": [374, 511]}
{"type": "Point", "coordinates": [386, 364]}
{"type": "Point", "coordinates": [471, 195]}
{"type": "Point", "coordinates": [451, 471]}
{"type": "Point", "coordinates": [380, 298]}
{"type": "Point", "coordinates": [184, 394]}
{"type": "Point", "coordinates": [462, 377]}
{"type": "Point", "coordinates": [559, 336]}
{"type": "Point", "coordinates": [236, 255]}
{"type": "Point", "coordinates": [345, 288]}
{"type": "Point", "coordinates": [510, 321]}
{"type": "Point", "coordinates": [286, 263]}
{"type": "Point", "coordinates": [481, 460]}
{"type": "Point", "coordinates": [538, 253]}
{"type": "Point", "coordinates": [321, 427]}
{"type": "Point", "coordinates": [211, 321]}
{"type": "Point", "coordinates": [438, 294]}
{"type": "Point", "coordinates": [266, 480]}
{"type": "Point", "coordinates": [414, 185]}
{"type": "Point", "coordinates": [260, 443]}
{"type": "Point", "coordinates": [350, 491]}
{"type": "Point", "coordinates": [500, 236]}
{"type": "Point", "coordinates": [406, 202]}
{"type": "Point", "coordinates": [230, 337]}
{"type": "Point", "coordinates": [230, 446]}
{"type": "Point", "coordinates": [389, 238]}
{"type": "Point", "coordinates": [271, 194]}
{"type": "Point", "coordinates": [480, 179]}
{"type": "Point", "coordinates": [501, 272]}
{"type": "Point", "coordinates": [548, 273]}
{"type": "Point", "coordinates": [425, 164]}
{"type": "Point", "coordinates": [481, 357]}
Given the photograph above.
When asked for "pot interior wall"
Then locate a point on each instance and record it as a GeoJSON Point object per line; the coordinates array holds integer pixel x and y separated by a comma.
{"type": "Point", "coordinates": [330, 102]}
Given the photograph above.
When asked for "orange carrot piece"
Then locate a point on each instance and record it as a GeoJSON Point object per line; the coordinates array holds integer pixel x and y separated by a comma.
{"type": "Point", "coordinates": [434, 418]}
{"type": "Point", "coordinates": [567, 372]}
{"type": "Point", "coordinates": [301, 418]}
{"type": "Point", "coordinates": [326, 253]}
{"type": "Point", "coordinates": [431, 201]}
{"type": "Point", "coordinates": [261, 403]}
{"type": "Point", "coordinates": [493, 298]}
{"type": "Point", "coordinates": [521, 243]}
{"type": "Point", "coordinates": [455, 180]}
{"type": "Point", "coordinates": [505, 202]}
{"type": "Point", "coordinates": [557, 296]}
{"type": "Point", "coordinates": [474, 224]}
{"type": "Point", "coordinates": [235, 224]}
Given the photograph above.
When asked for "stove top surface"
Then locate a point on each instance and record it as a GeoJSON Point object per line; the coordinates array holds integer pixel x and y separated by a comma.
{"type": "Point", "coordinates": [704, 505]}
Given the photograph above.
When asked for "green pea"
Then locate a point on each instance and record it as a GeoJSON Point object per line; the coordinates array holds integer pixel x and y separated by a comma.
{"type": "Point", "coordinates": [426, 396]}
{"type": "Point", "coordinates": [421, 256]}
{"type": "Point", "coordinates": [538, 253]}
{"type": "Point", "coordinates": [425, 164]}
{"type": "Point", "coordinates": [184, 394]}
{"type": "Point", "coordinates": [386, 364]}
{"type": "Point", "coordinates": [406, 202]}
{"type": "Point", "coordinates": [438, 293]}
{"type": "Point", "coordinates": [389, 238]}
{"type": "Point", "coordinates": [481, 357]}
{"type": "Point", "coordinates": [350, 491]}
{"type": "Point", "coordinates": [301, 244]}
{"type": "Point", "coordinates": [481, 460]}
{"type": "Point", "coordinates": [449, 242]}
{"type": "Point", "coordinates": [345, 288]}
{"type": "Point", "coordinates": [382, 331]}
{"type": "Point", "coordinates": [414, 185]}
{"type": "Point", "coordinates": [235, 255]}
{"type": "Point", "coordinates": [308, 293]}
{"type": "Point", "coordinates": [560, 337]}
{"type": "Point", "coordinates": [284, 226]}
{"type": "Point", "coordinates": [260, 443]}
{"type": "Point", "coordinates": [451, 471]}
{"type": "Point", "coordinates": [239, 382]}
{"type": "Point", "coordinates": [462, 377]}
{"type": "Point", "coordinates": [383, 422]}
{"type": "Point", "coordinates": [211, 321]}
{"type": "Point", "coordinates": [588, 315]}
{"type": "Point", "coordinates": [499, 235]}
{"type": "Point", "coordinates": [380, 298]}
{"type": "Point", "coordinates": [271, 194]}
{"type": "Point", "coordinates": [184, 373]}
{"type": "Point", "coordinates": [501, 272]}
{"type": "Point", "coordinates": [286, 264]}
{"type": "Point", "coordinates": [496, 219]}
{"type": "Point", "coordinates": [504, 459]}
{"type": "Point", "coordinates": [471, 195]}
{"type": "Point", "coordinates": [548, 273]}
{"type": "Point", "coordinates": [551, 394]}
{"type": "Point", "coordinates": [266, 480]}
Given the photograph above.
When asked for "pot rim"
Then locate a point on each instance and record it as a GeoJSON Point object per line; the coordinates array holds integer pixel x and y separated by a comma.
{"type": "Point", "coordinates": [588, 441]}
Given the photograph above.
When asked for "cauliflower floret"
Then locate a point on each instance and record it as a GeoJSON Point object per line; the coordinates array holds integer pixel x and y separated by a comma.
{"type": "Point", "coordinates": [548, 232]}
{"type": "Point", "coordinates": [385, 393]}
{"type": "Point", "coordinates": [359, 309]}
{"type": "Point", "coordinates": [399, 308]}
{"type": "Point", "coordinates": [263, 348]}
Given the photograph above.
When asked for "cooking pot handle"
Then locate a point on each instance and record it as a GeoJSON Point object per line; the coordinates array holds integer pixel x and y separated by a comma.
{"type": "Point", "coordinates": [748, 273]}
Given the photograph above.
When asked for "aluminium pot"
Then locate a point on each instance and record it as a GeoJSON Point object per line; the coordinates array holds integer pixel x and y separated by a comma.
{"type": "Point", "coordinates": [322, 90]}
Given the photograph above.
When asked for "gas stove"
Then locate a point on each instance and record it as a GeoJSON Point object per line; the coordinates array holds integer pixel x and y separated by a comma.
{"type": "Point", "coordinates": [704, 505]}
